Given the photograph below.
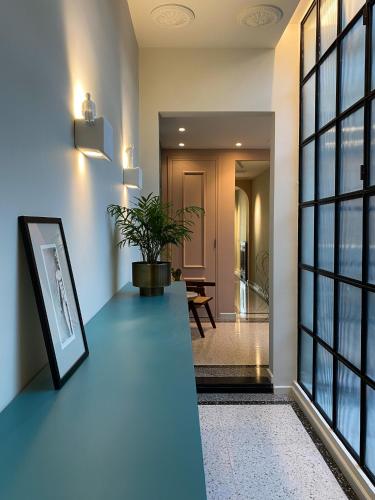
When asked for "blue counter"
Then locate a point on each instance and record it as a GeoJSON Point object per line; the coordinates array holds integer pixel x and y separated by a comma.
{"type": "Point", "coordinates": [125, 426]}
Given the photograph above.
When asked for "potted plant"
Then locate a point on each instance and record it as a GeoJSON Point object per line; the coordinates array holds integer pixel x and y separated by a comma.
{"type": "Point", "coordinates": [151, 225]}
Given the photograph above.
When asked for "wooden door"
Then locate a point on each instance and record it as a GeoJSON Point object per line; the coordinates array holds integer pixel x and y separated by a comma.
{"type": "Point", "coordinates": [193, 182]}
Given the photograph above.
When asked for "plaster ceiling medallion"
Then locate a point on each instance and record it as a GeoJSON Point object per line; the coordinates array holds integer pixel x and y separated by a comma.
{"type": "Point", "coordinates": [260, 15]}
{"type": "Point", "coordinates": [172, 16]}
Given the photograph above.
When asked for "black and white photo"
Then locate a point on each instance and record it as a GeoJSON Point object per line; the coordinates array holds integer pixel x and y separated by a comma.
{"type": "Point", "coordinates": [56, 295]}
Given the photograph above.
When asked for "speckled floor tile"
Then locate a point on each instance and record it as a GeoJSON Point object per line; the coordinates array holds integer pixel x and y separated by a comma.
{"type": "Point", "coordinates": [271, 455]}
{"type": "Point", "coordinates": [235, 343]}
{"type": "Point", "coordinates": [221, 398]}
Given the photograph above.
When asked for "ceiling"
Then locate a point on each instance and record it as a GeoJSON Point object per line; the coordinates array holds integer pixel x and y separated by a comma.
{"type": "Point", "coordinates": [249, 169]}
{"type": "Point", "coordinates": [216, 130]}
{"type": "Point", "coordinates": [216, 25]}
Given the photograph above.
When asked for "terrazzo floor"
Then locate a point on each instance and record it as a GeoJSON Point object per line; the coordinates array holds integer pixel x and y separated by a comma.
{"type": "Point", "coordinates": [238, 343]}
{"type": "Point", "coordinates": [260, 450]}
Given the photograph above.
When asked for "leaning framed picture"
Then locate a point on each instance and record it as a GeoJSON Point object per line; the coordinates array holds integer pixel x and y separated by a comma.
{"type": "Point", "coordinates": [56, 295]}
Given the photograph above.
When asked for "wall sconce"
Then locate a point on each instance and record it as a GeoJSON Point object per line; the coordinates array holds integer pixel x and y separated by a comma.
{"type": "Point", "coordinates": [93, 136]}
{"type": "Point", "coordinates": [132, 176]}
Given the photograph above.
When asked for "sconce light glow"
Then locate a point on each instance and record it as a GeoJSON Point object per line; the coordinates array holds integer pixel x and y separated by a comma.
{"type": "Point", "coordinates": [182, 129]}
{"type": "Point", "coordinates": [133, 177]}
{"type": "Point", "coordinates": [238, 144]}
{"type": "Point", "coordinates": [182, 145]}
{"type": "Point", "coordinates": [93, 136]}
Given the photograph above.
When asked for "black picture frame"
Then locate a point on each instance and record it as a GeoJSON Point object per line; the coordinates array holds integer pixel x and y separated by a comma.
{"type": "Point", "coordinates": [45, 318]}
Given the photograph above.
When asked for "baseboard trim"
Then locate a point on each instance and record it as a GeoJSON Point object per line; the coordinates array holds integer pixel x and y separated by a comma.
{"type": "Point", "coordinates": [349, 467]}
{"type": "Point", "coordinates": [282, 389]}
{"type": "Point", "coordinates": [230, 317]}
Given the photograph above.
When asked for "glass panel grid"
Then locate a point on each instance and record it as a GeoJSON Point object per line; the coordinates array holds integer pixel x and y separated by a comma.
{"type": "Point", "coordinates": [353, 65]}
{"type": "Point", "coordinates": [337, 269]}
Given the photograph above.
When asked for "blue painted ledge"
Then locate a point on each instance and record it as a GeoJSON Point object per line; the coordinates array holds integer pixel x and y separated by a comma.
{"type": "Point", "coordinates": [125, 426]}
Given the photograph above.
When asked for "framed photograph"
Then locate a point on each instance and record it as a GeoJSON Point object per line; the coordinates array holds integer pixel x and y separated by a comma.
{"type": "Point", "coordinates": [56, 295]}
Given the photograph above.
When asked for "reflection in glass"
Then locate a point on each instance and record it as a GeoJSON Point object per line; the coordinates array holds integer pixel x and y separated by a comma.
{"type": "Point", "coordinates": [349, 10]}
{"type": "Point", "coordinates": [350, 306]}
{"type": "Point", "coordinates": [348, 405]}
{"type": "Point", "coordinates": [327, 90]}
{"type": "Point", "coordinates": [326, 236]}
{"type": "Point", "coordinates": [307, 230]}
{"type": "Point", "coordinates": [327, 157]}
{"type": "Point", "coordinates": [353, 65]}
{"type": "Point", "coordinates": [309, 42]}
{"type": "Point", "coordinates": [306, 360]}
{"type": "Point", "coordinates": [351, 152]}
{"type": "Point", "coordinates": [308, 172]}
{"type": "Point", "coordinates": [370, 430]}
{"type": "Point", "coordinates": [324, 376]}
{"type": "Point", "coordinates": [308, 107]}
{"type": "Point", "coordinates": [328, 23]}
{"type": "Point", "coordinates": [371, 240]}
{"type": "Point", "coordinates": [372, 153]}
{"type": "Point", "coordinates": [371, 336]}
{"type": "Point", "coordinates": [307, 294]}
{"type": "Point", "coordinates": [350, 249]}
{"type": "Point", "coordinates": [325, 309]}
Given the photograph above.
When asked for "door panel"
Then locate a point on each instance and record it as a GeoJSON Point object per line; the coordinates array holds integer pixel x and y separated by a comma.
{"type": "Point", "coordinates": [193, 182]}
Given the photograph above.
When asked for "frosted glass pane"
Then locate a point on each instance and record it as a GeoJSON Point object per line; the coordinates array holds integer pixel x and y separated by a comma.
{"type": "Point", "coordinates": [348, 405]}
{"type": "Point", "coordinates": [372, 153]}
{"type": "Point", "coordinates": [308, 172]}
{"type": "Point", "coordinates": [309, 42]}
{"type": "Point", "coordinates": [327, 88]}
{"type": "Point", "coordinates": [370, 433]}
{"type": "Point", "coordinates": [350, 9]}
{"type": "Point", "coordinates": [371, 336]}
{"type": "Point", "coordinates": [307, 295]}
{"type": "Point", "coordinates": [327, 158]}
{"type": "Point", "coordinates": [307, 240]}
{"type": "Point", "coordinates": [351, 152]}
{"type": "Point", "coordinates": [325, 309]}
{"type": "Point", "coordinates": [326, 236]}
{"type": "Point", "coordinates": [353, 65]}
{"type": "Point", "coordinates": [324, 377]}
{"type": "Point", "coordinates": [371, 253]}
{"type": "Point", "coordinates": [350, 307]}
{"type": "Point", "coordinates": [308, 107]}
{"type": "Point", "coordinates": [350, 250]}
{"type": "Point", "coordinates": [306, 360]}
{"type": "Point", "coordinates": [328, 23]}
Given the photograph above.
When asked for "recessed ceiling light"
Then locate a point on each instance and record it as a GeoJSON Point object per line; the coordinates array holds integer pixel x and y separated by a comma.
{"type": "Point", "coordinates": [260, 15]}
{"type": "Point", "coordinates": [182, 129]}
{"type": "Point", "coordinates": [238, 144]}
{"type": "Point", "coordinates": [172, 15]}
{"type": "Point", "coordinates": [182, 145]}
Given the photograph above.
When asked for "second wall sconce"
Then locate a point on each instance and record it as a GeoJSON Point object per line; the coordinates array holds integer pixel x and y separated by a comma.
{"type": "Point", "coordinates": [132, 176]}
{"type": "Point", "coordinates": [93, 136]}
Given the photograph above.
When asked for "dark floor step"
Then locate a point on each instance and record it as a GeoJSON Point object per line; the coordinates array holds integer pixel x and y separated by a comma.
{"type": "Point", "coordinates": [234, 384]}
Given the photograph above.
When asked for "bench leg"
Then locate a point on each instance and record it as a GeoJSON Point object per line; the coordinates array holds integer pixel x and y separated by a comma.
{"type": "Point", "coordinates": [208, 309]}
{"type": "Point", "coordinates": [193, 309]}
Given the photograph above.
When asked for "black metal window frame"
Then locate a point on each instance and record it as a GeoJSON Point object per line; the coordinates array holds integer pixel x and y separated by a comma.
{"type": "Point", "coordinates": [366, 13]}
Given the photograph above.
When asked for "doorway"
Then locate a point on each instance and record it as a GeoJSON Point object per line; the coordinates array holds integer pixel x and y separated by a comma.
{"type": "Point", "coordinates": [200, 157]}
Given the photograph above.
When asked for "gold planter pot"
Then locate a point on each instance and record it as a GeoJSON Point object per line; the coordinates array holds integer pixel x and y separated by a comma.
{"type": "Point", "coordinates": [151, 278]}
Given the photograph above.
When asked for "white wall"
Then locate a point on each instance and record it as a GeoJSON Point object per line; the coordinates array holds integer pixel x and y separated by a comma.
{"type": "Point", "coordinates": [173, 80]}
{"type": "Point", "coordinates": [50, 52]}
{"type": "Point", "coordinates": [182, 80]}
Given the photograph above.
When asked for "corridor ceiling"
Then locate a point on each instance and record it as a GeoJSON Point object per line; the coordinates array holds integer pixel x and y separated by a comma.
{"type": "Point", "coordinates": [217, 130]}
{"type": "Point", "coordinates": [216, 25]}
